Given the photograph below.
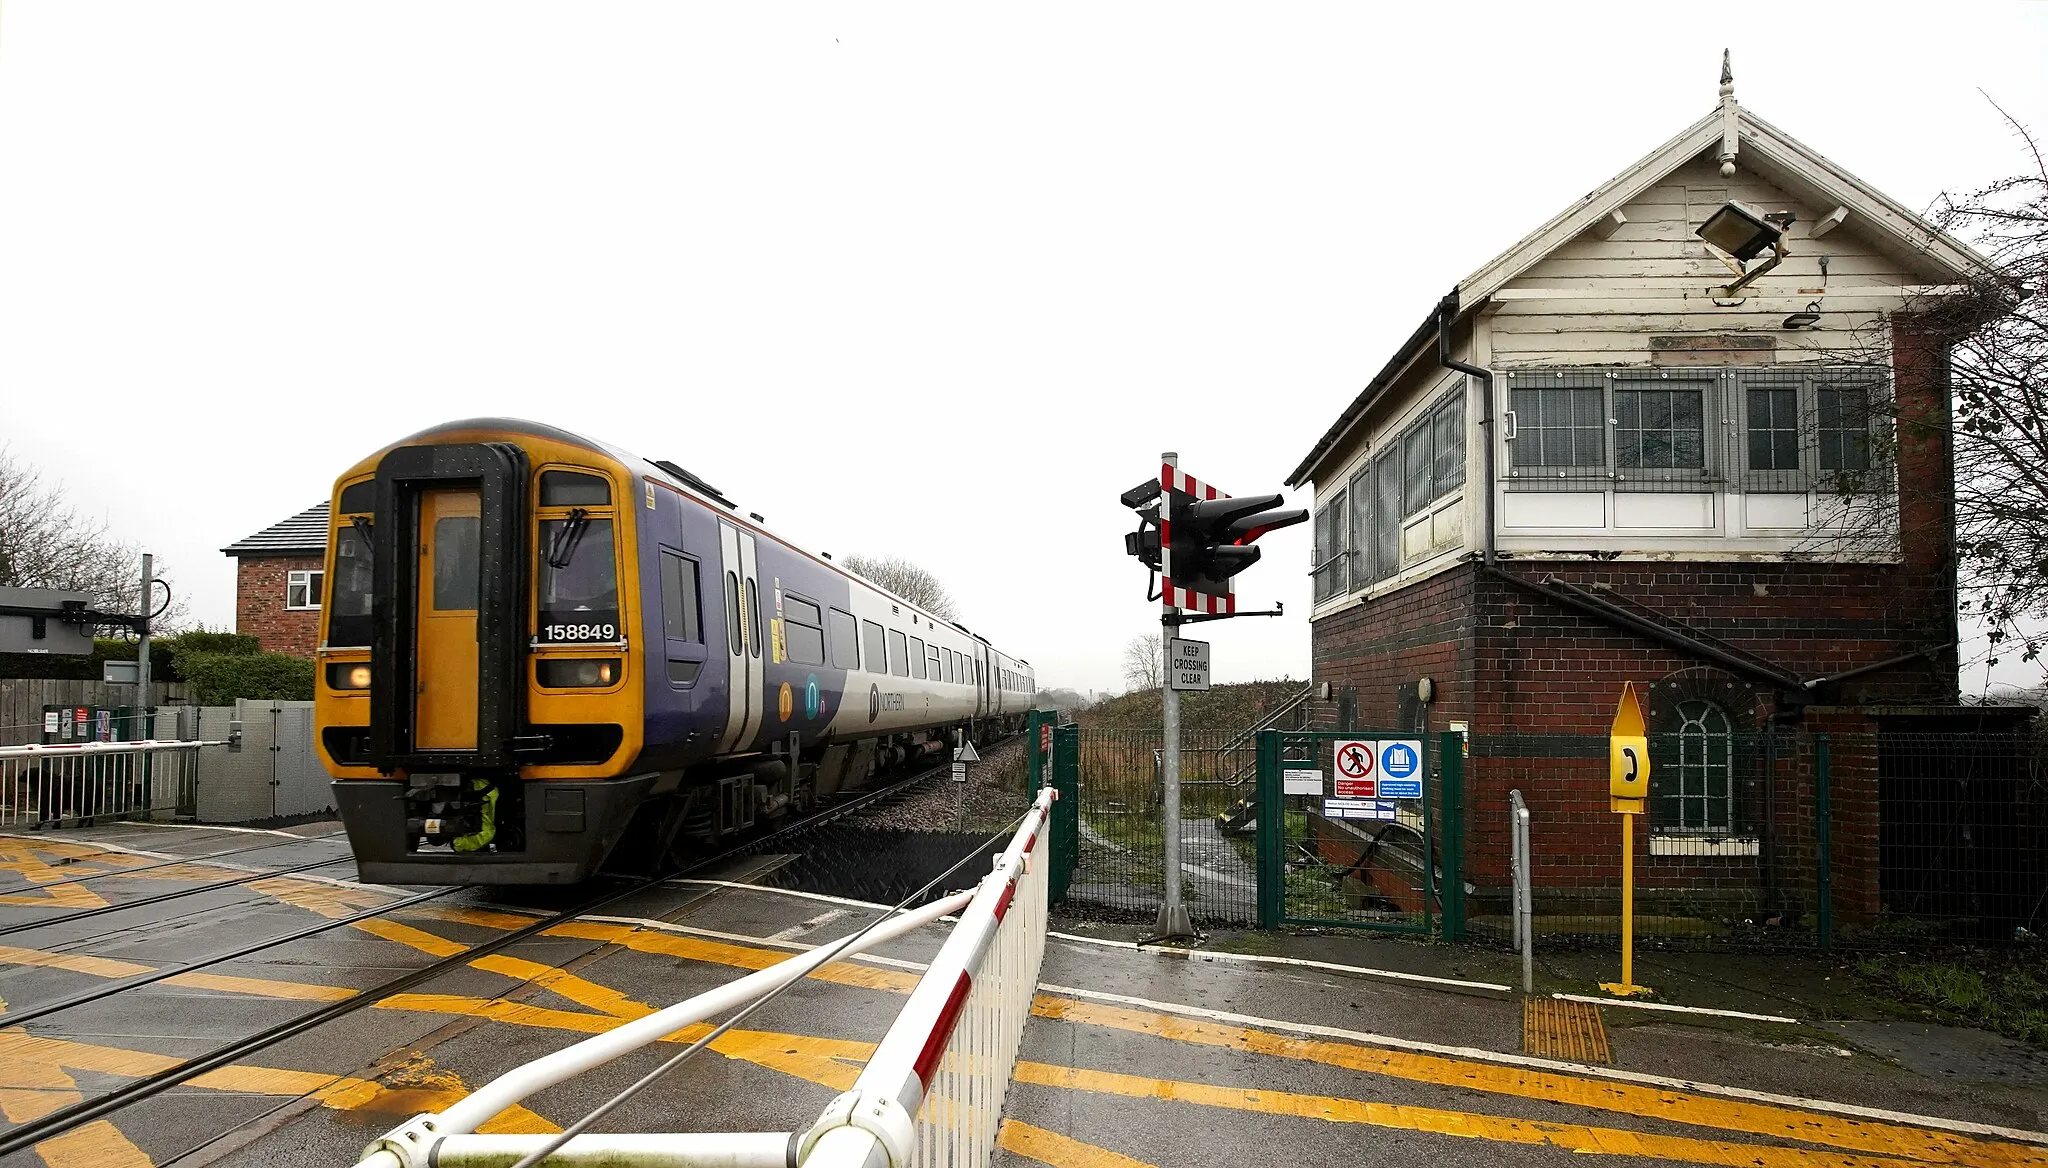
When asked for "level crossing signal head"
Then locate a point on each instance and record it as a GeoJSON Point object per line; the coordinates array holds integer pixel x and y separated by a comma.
{"type": "Point", "coordinates": [1211, 539]}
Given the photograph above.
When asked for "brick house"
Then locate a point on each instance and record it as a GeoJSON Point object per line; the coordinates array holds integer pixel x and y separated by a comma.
{"type": "Point", "coordinates": [279, 582]}
{"type": "Point", "coordinates": [1616, 452]}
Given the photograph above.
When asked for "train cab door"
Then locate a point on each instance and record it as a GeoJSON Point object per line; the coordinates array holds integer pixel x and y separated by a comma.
{"type": "Point", "coordinates": [445, 657]}
{"type": "Point", "coordinates": [743, 636]}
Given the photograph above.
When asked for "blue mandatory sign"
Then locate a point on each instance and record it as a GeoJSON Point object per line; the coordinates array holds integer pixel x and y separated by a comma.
{"type": "Point", "coordinates": [1400, 760]}
{"type": "Point", "coordinates": [811, 696]}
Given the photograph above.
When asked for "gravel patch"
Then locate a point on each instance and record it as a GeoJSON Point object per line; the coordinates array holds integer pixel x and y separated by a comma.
{"type": "Point", "coordinates": [992, 797]}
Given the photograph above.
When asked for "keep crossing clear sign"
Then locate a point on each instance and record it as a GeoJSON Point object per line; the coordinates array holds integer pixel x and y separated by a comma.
{"type": "Point", "coordinates": [1187, 665]}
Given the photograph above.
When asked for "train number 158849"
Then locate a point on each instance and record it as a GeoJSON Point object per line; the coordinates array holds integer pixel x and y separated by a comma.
{"type": "Point", "coordinates": [580, 632]}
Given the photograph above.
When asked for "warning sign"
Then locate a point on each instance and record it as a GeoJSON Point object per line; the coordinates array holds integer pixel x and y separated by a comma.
{"type": "Point", "coordinates": [1355, 765]}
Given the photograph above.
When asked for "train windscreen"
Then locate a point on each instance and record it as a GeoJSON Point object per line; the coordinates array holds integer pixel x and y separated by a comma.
{"type": "Point", "coordinates": [579, 584]}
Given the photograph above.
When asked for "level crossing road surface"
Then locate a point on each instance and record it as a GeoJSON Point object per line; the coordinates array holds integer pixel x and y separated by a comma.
{"type": "Point", "coordinates": [1134, 1057]}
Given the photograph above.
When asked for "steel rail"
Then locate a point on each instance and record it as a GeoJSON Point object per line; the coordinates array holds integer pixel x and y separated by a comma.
{"type": "Point", "coordinates": [56, 1123]}
{"type": "Point", "coordinates": [164, 896]}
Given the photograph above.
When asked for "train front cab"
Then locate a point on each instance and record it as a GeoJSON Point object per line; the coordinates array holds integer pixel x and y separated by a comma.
{"type": "Point", "coordinates": [497, 755]}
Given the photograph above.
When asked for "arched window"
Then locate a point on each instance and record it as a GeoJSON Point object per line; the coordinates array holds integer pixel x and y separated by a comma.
{"type": "Point", "coordinates": [1702, 794]}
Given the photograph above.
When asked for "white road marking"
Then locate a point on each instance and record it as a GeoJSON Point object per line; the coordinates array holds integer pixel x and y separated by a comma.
{"type": "Point", "coordinates": [220, 827]}
{"type": "Point", "coordinates": [1303, 962]}
{"type": "Point", "coordinates": [798, 930]}
{"type": "Point", "coordinates": [1676, 1009]}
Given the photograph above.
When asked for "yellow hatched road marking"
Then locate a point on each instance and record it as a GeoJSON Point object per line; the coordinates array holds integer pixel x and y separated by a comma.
{"type": "Point", "coordinates": [99, 1144]}
{"type": "Point", "coordinates": [1464, 1124]}
{"type": "Point", "coordinates": [20, 857]}
{"type": "Point", "coordinates": [420, 939]}
{"type": "Point", "coordinates": [110, 968]}
{"type": "Point", "coordinates": [603, 999]}
{"type": "Point", "coordinates": [1600, 1094]}
{"type": "Point", "coordinates": [1048, 1147]}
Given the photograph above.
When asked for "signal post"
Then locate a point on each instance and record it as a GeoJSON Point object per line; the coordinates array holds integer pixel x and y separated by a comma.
{"type": "Point", "coordinates": [1197, 539]}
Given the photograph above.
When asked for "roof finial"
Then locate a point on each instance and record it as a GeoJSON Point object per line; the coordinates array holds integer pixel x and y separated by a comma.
{"type": "Point", "coordinates": [1730, 126]}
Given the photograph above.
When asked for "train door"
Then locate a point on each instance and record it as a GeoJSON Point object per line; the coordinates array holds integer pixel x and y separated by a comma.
{"type": "Point", "coordinates": [742, 591]}
{"type": "Point", "coordinates": [445, 658]}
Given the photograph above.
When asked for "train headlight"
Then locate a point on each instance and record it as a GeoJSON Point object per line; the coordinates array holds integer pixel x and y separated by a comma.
{"type": "Point", "coordinates": [348, 675]}
{"type": "Point", "coordinates": [578, 672]}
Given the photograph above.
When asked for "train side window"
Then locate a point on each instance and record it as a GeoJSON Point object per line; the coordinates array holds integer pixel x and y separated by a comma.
{"type": "Point", "coordinates": [753, 618]}
{"type": "Point", "coordinates": [845, 640]}
{"type": "Point", "coordinates": [916, 658]}
{"type": "Point", "coordinates": [899, 654]}
{"type": "Point", "coordinates": [803, 633]}
{"type": "Point", "coordinates": [932, 661]}
{"type": "Point", "coordinates": [945, 665]}
{"type": "Point", "coordinates": [732, 615]}
{"type": "Point", "coordinates": [680, 619]}
{"type": "Point", "coordinates": [878, 657]}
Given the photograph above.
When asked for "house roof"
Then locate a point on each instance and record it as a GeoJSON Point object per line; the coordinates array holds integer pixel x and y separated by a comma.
{"type": "Point", "coordinates": [1761, 148]}
{"type": "Point", "coordinates": [304, 533]}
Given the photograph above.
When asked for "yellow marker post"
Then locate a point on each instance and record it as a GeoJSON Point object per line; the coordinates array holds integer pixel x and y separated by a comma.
{"type": "Point", "coordinates": [1628, 786]}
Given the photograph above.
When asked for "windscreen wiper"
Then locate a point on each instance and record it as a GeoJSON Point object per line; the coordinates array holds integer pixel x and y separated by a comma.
{"type": "Point", "coordinates": [562, 549]}
{"type": "Point", "coordinates": [361, 525]}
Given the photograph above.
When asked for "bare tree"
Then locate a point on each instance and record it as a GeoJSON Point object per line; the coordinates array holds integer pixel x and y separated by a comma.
{"type": "Point", "coordinates": [1996, 427]}
{"type": "Point", "coordinates": [46, 543]}
{"type": "Point", "coordinates": [905, 579]}
{"type": "Point", "coordinates": [1144, 667]}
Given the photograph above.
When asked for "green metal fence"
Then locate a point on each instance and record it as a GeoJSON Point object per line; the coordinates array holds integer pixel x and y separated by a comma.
{"type": "Point", "coordinates": [1750, 840]}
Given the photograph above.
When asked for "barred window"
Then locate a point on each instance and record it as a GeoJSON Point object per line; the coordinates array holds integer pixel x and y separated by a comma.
{"type": "Point", "coordinates": [1842, 426]}
{"type": "Point", "coordinates": [1386, 517]}
{"type": "Point", "coordinates": [1774, 427]}
{"type": "Point", "coordinates": [1448, 423]}
{"type": "Point", "coordinates": [1364, 569]}
{"type": "Point", "coordinates": [1332, 575]}
{"type": "Point", "coordinates": [1696, 790]}
{"type": "Point", "coordinates": [1659, 426]}
{"type": "Point", "coordinates": [1559, 427]}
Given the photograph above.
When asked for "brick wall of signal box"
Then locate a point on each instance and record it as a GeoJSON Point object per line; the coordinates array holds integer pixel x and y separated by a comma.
{"type": "Point", "coordinates": [259, 605]}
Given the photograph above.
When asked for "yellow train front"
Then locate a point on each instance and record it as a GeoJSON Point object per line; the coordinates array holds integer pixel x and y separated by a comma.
{"type": "Point", "coordinates": [539, 651]}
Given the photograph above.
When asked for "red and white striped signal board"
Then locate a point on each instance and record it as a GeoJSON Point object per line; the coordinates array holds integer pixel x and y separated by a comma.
{"type": "Point", "coordinates": [1180, 489]}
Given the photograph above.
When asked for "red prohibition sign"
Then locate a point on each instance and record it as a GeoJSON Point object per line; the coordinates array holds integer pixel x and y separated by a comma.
{"type": "Point", "coordinates": [1354, 760]}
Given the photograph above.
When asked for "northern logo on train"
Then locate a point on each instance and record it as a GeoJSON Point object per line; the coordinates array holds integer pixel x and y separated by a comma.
{"type": "Point", "coordinates": [785, 702]}
{"type": "Point", "coordinates": [812, 698]}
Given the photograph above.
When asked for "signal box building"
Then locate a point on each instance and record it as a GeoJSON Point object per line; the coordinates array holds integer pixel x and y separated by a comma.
{"type": "Point", "coordinates": [1596, 461]}
{"type": "Point", "coordinates": [279, 582]}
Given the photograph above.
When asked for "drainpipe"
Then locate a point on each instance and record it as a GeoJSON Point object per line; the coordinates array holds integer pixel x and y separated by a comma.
{"type": "Point", "coordinates": [1446, 314]}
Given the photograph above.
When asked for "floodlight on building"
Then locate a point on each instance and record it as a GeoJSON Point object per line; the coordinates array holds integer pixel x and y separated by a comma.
{"type": "Point", "coordinates": [1807, 319]}
{"type": "Point", "coordinates": [1744, 234]}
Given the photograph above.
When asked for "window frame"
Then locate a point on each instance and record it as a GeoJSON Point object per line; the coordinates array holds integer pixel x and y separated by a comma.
{"type": "Point", "coordinates": [693, 609]}
{"type": "Point", "coordinates": [832, 645]}
{"type": "Point", "coordinates": [1332, 569]}
{"type": "Point", "coordinates": [790, 603]}
{"type": "Point", "coordinates": [874, 646]}
{"type": "Point", "coordinates": [314, 583]}
{"type": "Point", "coordinates": [1808, 386]}
{"type": "Point", "coordinates": [1682, 772]}
{"type": "Point", "coordinates": [918, 658]}
{"type": "Point", "coordinates": [899, 653]}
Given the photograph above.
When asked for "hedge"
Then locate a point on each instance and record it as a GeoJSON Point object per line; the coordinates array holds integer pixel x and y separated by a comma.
{"type": "Point", "coordinates": [217, 679]}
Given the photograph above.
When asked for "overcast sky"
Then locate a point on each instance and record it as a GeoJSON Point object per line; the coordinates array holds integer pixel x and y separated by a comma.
{"type": "Point", "coordinates": [937, 281]}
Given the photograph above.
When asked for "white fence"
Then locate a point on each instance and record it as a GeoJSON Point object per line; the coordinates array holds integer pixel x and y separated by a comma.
{"type": "Point", "coordinates": [67, 784]}
{"type": "Point", "coordinates": [931, 1095]}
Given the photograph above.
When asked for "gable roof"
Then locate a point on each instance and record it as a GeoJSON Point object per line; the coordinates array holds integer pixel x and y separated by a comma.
{"type": "Point", "coordinates": [1766, 151]}
{"type": "Point", "coordinates": [304, 533]}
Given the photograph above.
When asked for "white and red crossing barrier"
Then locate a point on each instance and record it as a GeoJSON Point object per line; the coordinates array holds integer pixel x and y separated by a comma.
{"type": "Point", "coordinates": [63, 782]}
{"type": "Point", "coordinates": [932, 1094]}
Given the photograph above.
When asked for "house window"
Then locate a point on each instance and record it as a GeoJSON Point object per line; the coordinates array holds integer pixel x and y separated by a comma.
{"type": "Point", "coordinates": [302, 589]}
{"type": "Point", "coordinates": [1694, 785]}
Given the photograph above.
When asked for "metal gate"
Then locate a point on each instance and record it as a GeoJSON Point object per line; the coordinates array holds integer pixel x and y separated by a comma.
{"type": "Point", "coordinates": [300, 783]}
{"type": "Point", "coordinates": [1358, 828]}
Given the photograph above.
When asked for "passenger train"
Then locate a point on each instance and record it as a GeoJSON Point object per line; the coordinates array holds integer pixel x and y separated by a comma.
{"type": "Point", "coordinates": [539, 652]}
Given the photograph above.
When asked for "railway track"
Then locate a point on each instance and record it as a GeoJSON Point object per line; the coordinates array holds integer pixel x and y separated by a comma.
{"type": "Point", "coordinates": [57, 1123]}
